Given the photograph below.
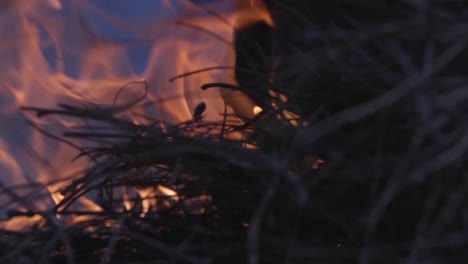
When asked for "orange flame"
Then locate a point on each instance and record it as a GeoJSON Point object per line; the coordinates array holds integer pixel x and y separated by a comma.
{"type": "Point", "coordinates": [81, 50]}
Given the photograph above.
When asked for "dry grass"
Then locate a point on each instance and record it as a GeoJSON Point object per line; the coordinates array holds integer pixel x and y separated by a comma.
{"type": "Point", "coordinates": [383, 90]}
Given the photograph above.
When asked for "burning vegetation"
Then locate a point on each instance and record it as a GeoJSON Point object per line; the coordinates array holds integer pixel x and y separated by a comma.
{"type": "Point", "coordinates": [233, 131]}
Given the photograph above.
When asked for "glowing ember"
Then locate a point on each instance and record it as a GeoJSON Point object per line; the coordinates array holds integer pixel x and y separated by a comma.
{"type": "Point", "coordinates": [168, 192]}
{"type": "Point", "coordinates": [148, 199]}
{"type": "Point", "coordinates": [257, 110]}
{"type": "Point", "coordinates": [81, 50]}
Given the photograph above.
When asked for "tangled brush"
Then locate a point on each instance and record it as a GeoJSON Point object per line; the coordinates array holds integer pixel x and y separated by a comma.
{"type": "Point", "coordinates": [374, 172]}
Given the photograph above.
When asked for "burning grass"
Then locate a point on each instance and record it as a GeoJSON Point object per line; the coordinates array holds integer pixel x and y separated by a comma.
{"type": "Point", "coordinates": [377, 173]}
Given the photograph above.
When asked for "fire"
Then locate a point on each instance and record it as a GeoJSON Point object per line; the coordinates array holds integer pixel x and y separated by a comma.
{"type": "Point", "coordinates": [57, 51]}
